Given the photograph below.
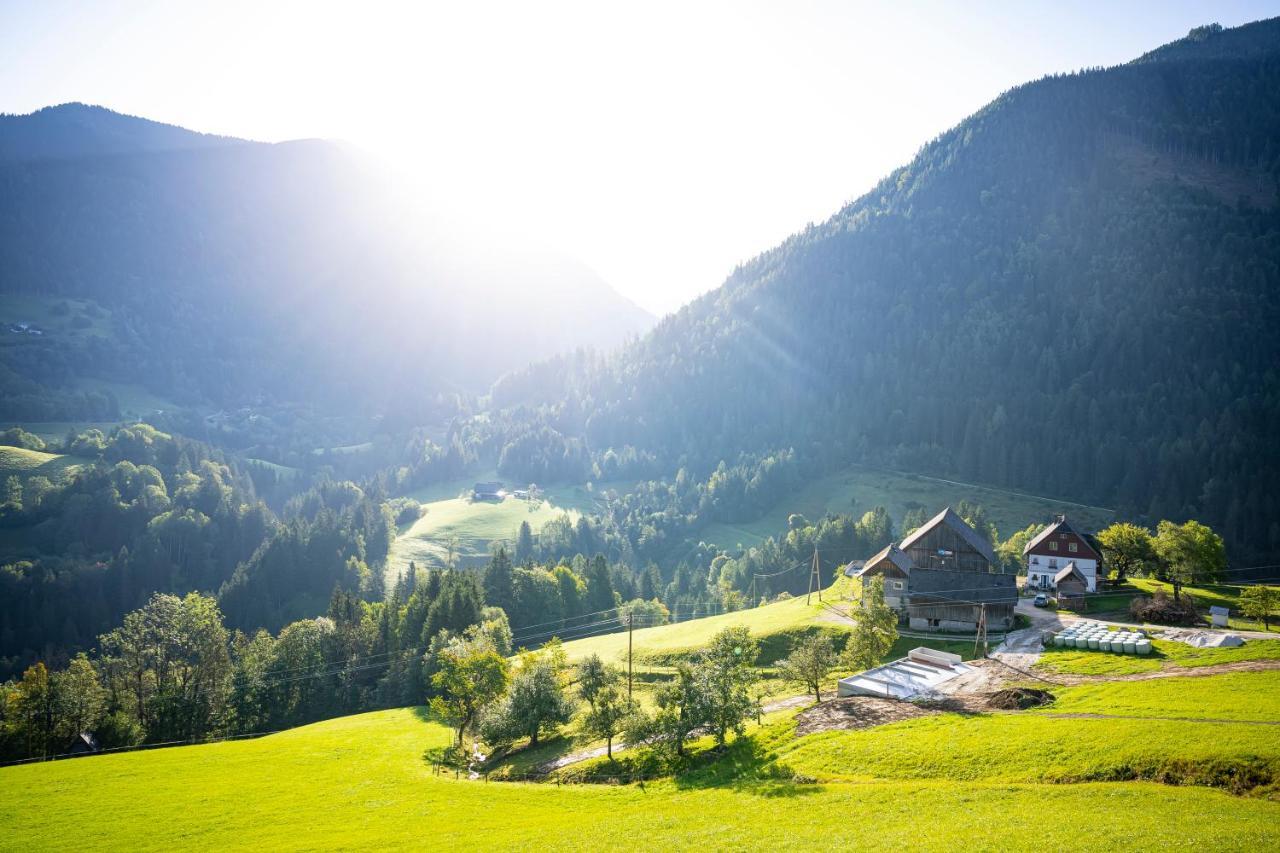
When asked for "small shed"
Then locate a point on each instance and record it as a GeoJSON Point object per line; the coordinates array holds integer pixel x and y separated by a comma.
{"type": "Point", "coordinates": [1070, 582]}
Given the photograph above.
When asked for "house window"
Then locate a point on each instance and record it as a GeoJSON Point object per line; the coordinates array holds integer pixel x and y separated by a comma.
{"type": "Point", "coordinates": [1053, 546]}
{"type": "Point", "coordinates": [897, 584]}
{"type": "Point", "coordinates": [1035, 561]}
{"type": "Point", "coordinates": [1053, 563]}
{"type": "Point", "coordinates": [934, 623]}
{"type": "Point", "coordinates": [1071, 546]}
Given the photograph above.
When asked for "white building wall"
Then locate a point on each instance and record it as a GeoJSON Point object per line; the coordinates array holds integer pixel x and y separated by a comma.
{"type": "Point", "coordinates": [1039, 566]}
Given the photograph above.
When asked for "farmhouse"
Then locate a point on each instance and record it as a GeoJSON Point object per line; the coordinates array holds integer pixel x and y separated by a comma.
{"type": "Point", "coordinates": [1057, 545]}
{"type": "Point", "coordinates": [486, 492]}
{"type": "Point", "coordinates": [944, 576]}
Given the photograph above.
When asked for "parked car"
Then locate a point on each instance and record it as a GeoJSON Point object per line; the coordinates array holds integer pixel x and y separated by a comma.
{"type": "Point", "coordinates": [1042, 600]}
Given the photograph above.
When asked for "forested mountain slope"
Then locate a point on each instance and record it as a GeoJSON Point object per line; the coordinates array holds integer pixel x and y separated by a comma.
{"type": "Point", "coordinates": [1075, 292]}
{"type": "Point", "coordinates": [229, 272]}
{"type": "Point", "coordinates": [80, 130]}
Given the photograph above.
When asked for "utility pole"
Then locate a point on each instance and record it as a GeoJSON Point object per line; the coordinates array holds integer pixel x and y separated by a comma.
{"type": "Point", "coordinates": [980, 637]}
{"type": "Point", "coordinates": [630, 627]}
{"type": "Point", "coordinates": [815, 578]}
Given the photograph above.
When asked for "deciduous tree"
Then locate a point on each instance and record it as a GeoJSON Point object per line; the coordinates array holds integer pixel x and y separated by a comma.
{"type": "Point", "coordinates": [1261, 603]}
{"type": "Point", "coordinates": [1191, 553]}
{"type": "Point", "coordinates": [810, 662]}
{"type": "Point", "coordinates": [1127, 548]}
{"type": "Point", "coordinates": [471, 676]}
{"type": "Point", "coordinates": [875, 628]}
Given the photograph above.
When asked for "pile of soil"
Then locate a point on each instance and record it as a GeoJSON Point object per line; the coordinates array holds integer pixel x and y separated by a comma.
{"type": "Point", "coordinates": [856, 712]}
{"type": "Point", "coordinates": [1018, 698]}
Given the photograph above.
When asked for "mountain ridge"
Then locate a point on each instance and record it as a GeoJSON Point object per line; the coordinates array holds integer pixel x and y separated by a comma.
{"type": "Point", "coordinates": [278, 250]}
{"type": "Point", "coordinates": [1047, 297]}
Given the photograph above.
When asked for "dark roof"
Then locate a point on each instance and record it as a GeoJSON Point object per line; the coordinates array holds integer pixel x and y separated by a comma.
{"type": "Point", "coordinates": [487, 487]}
{"type": "Point", "coordinates": [83, 742]}
{"type": "Point", "coordinates": [939, 585]}
{"type": "Point", "coordinates": [1067, 571]}
{"type": "Point", "coordinates": [1063, 526]}
{"type": "Point", "coordinates": [890, 553]}
{"type": "Point", "coordinates": [959, 525]}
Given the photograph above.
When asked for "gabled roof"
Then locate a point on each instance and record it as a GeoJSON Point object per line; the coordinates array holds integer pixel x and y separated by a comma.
{"type": "Point", "coordinates": [959, 525]}
{"type": "Point", "coordinates": [890, 553]}
{"type": "Point", "coordinates": [1062, 526]}
{"type": "Point", "coordinates": [1067, 571]}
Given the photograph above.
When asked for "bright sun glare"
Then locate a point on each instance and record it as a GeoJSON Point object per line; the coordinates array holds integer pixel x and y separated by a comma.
{"type": "Point", "coordinates": [659, 143]}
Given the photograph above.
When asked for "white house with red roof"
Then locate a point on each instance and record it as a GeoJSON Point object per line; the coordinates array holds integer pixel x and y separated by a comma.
{"type": "Point", "coordinates": [1058, 546]}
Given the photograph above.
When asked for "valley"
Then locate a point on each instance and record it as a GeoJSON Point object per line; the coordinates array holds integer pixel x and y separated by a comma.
{"type": "Point", "coordinates": [345, 504]}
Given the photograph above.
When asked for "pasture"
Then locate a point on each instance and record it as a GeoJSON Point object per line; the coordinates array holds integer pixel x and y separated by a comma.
{"type": "Point", "coordinates": [23, 463]}
{"type": "Point", "coordinates": [1116, 601]}
{"type": "Point", "coordinates": [1166, 654]}
{"type": "Point", "coordinates": [451, 518]}
{"type": "Point", "coordinates": [363, 782]}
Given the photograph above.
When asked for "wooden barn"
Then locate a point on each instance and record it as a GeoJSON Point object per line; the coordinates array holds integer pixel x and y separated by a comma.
{"type": "Point", "coordinates": [943, 577]}
{"type": "Point", "coordinates": [1071, 585]}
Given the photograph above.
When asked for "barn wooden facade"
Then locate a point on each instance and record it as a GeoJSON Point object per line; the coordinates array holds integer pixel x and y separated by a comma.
{"type": "Point", "coordinates": [944, 576]}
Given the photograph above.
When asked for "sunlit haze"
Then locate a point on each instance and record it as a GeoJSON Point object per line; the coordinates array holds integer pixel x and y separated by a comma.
{"type": "Point", "coordinates": [659, 143]}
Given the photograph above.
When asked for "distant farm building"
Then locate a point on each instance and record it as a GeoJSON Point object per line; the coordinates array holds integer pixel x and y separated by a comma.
{"type": "Point", "coordinates": [83, 744]}
{"type": "Point", "coordinates": [1054, 548]}
{"type": "Point", "coordinates": [944, 577]}
{"type": "Point", "coordinates": [486, 492]}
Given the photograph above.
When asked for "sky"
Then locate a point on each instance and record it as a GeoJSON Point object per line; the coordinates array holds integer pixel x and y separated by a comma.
{"type": "Point", "coordinates": [660, 143]}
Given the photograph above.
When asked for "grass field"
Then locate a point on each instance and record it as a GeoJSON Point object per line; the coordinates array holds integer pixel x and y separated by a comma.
{"type": "Point", "coordinates": [663, 642]}
{"type": "Point", "coordinates": [470, 525]}
{"type": "Point", "coordinates": [450, 516]}
{"type": "Point", "coordinates": [34, 463]}
{"type": "Point", "coordinates": [856, 490]}
{"type": "Point", "coordinates": [1165, 654]}
{"type": "Point", "coordinates": [136, 402]}
{"type": "Point", "coordinates": [362, 782]}
{"type": "Point", "coordinates": [55, 315]}
{"type": "Point", "coordinates": [1168, 737]}
{"type": "Point", "coordinates": [1206, 596]}
{"type": "Point", "coordinates": [1228, 696]}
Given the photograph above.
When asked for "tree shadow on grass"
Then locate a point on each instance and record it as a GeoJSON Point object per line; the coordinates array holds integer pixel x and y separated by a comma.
{"type": "Point", "coordinates": [747, 766]}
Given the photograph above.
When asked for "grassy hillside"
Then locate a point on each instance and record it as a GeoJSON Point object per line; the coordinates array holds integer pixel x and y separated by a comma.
{"type": "Point", "coordinates": [470, 525]}
{"type": "Point", "coordinates": [1117, 601]}
{"type": "Point", "coordinates": [663, 641]}
{"type": "Point", "coordinates": [35, 463]}
{"type": "Point", "coordinates": [1166, 728]}
{"type": "Point", "coordinates": [60, 320]}
{"type": "Point", "coordinates": [363, 782]}
{"type": "Point", "coordinates": [449, 514]}
{"type": "Point", "coordinates": [1165, 654]}
{"type": "Point", "coordinates": [856, 490]}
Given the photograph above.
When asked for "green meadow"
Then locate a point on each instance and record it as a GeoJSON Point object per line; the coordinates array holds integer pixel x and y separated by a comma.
{"type": "Point", "coordinates": [1166, 654]}
{"type": "Point", "coordinates": [1205, 596]}
{"type": "Point", "coordinates": [450, 517]}
{"type": "Point", "coordinates": [23, 463]}
{"type": "Point", "coordinates": [363, 782]}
